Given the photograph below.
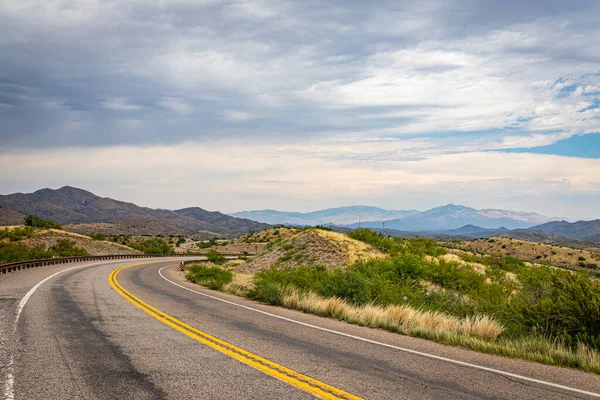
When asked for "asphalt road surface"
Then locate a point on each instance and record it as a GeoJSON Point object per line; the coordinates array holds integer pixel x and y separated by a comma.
{"type": "Point", "coordinates": [136, 330]}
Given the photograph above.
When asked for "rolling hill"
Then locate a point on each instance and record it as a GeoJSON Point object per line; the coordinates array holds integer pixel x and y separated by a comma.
{"type": "Point", "coordinates": [585, 230]}
{"type": "Point", "coordinates": [86, 212]}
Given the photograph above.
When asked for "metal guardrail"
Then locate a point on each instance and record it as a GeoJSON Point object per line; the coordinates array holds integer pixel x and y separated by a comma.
{"type": "Point", "coordinates": [18, 265]}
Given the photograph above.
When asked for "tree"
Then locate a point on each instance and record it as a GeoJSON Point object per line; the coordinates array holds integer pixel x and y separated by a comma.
{"type": "Point", "coordinates": [37, 222]}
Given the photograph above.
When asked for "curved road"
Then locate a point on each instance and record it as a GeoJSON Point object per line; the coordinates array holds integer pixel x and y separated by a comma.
{"type": "Point", "coordinates": [148, 334]}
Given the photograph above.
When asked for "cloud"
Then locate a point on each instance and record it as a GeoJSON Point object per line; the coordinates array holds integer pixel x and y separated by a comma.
{"type": "Point", "coordinates": [238, 116]}
{"type": "Point", "coordinates": [177, 106]}
{"type": "Point", "coordinates": [342, 89]}
{"type": "Point", "coordinates": [304, 176]}
{"type": "Point", "coordinates": [119, 104]}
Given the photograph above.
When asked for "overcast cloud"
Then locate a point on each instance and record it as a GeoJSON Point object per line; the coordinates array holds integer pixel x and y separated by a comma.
{"type": "Point", "coordinates": [300, 105]}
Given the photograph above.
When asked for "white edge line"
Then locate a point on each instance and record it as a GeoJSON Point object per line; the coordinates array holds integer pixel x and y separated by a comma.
{"type": "Point", "coordinates": [9, 393]}
{"type": "Point", "coordinates": [420, 353]}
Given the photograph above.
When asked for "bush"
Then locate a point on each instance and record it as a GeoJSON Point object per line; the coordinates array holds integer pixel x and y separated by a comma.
{"type": "Point", "coordinates": [554, 304]}
{"type": "Point", "coordinates": [153, 246]}
{"type": "Point", "coordinates": [558, 304]}
{"type": "Point", "coordinates": [212, 277]}
{"type": "Point", "coordinates": [97, 236]}
{"type": "Point", "coordinates": [205, 245]}
{"type": "Point", "coordinates": [37, 222]}
{"type": "Point", "coordinates": [395, 246]}
{"type": "Point", "coordinates": [215, 257]}
{"type": "Point", "coordinates": [16, 234]}
{"type": "Point", "coordinates": [67, 248]}
{"type": "Point", "coordinates": [10, 252]}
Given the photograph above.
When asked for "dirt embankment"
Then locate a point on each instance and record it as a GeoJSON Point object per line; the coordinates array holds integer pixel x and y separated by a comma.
{"type": "Point", "coordinates": [311, 247]}
{"type": "Point", "coordinates": [51, 237]}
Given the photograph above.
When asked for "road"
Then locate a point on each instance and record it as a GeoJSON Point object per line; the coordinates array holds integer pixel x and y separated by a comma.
{"type": "Point", "coordinates": [134, 329]}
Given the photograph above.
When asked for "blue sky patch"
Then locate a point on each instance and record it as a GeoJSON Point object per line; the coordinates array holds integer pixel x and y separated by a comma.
{"type": "Point", "coordinates": [586, 146]}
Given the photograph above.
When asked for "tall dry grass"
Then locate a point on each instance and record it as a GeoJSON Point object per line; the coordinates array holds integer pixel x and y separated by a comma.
{"type": "Point", "coordinates": [479, 332]}
{"type": "Point", "coordinates": [240, 285]}
{"type": "Point", "coordinates": [397, 318]}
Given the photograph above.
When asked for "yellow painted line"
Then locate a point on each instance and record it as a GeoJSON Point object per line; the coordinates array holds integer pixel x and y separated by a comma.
{"type": "Point", "coordinates": [316, 388]}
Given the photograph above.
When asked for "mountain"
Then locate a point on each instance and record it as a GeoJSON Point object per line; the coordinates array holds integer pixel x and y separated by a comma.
{"type": "Point", "coordinates": [475, 231]}
{"type": "Point", "coordinates": [237, 226]}
{"type": "Point", "coordinates": [335, 216]}
{"type": "Point", "coordinates": [8, 216]}
{"type": "Point", "coordinates": [585, 230]}
{"type": "Point", "coordinates": [69, 205]}
{"type": "Point", "coordinates": [452, 216]}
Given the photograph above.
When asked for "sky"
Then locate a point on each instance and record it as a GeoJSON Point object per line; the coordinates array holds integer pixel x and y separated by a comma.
{"type": "Point", "coordinates": [305, 105]}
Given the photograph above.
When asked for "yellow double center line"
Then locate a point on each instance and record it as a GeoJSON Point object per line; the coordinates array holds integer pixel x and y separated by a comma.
{"type": "Point", "coordinates": [316, 388]}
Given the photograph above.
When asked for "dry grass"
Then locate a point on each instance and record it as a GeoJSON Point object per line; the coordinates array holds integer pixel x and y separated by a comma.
{"type": "Point", "coordinates": [240, 285]}
{"type": "Point", "coordinates": [539, 253]}
{"type": "Point", "coordinates": [311, 248]}
{"type": "Point", "coordinates": [535, 349]}
{"type": "Point", "coordinates": [454, 258]}
{"type": "Point", "coordinates": [50, 237]}
{"type": "Point", "coordinates": [403, 319]}
{"type": "Point", "coordinates": [480, 333]}
{"type": "Point", "coordinates": [354, 249]}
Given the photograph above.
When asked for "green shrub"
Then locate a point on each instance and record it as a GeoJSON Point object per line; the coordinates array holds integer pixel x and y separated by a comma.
{"type": "Point", "coordinates": [557, 303]}
{"type": "Point", "coordinates": [10, 252]}
{"type": "Point", "coordinates": [215, 257]}
{"type": "Point", "coordinates": [16, 234]}
{"type": "Point", "coordinates": [395, 246]}
{"type": "Point", "coordinates": [97, 236]}
{"type": "Point", "coordinates": [212, 277]}
{"type": "Point", "coordinates": [67, 248]}
{"type": "Point", "coordinates": [153, 246]}
{"type": "Point", "coordinates": [37, 222]}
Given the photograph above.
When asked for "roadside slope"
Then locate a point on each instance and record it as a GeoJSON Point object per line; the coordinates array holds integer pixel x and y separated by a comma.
{"type": "Point", "coordinates": [311, 247]}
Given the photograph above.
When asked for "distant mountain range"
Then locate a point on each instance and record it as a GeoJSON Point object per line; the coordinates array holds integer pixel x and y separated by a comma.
{"type": "Point", "coordinates": [85, 212]}
{"type": "Point", "coordinates": [442, 218]}
{"type": "Point", "coordinates": [69, 205]}
{"type": "Point", "coordinates": [337, 216]}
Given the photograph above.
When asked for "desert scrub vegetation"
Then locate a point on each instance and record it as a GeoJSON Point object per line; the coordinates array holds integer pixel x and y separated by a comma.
{"type": "Point", "coordinates": [508, 307]}
{"type": "Point", "coordinates": [215, 257]}
{"type": "Point", "coordinates": [17, 233]}
{"type": "Point", "coordinates": [37, 222]}
{"type": "Point", "coordinates": [153, 246]}
{"type": "Point", "coordinates": [396, 318]}
{"type": "Point", "coordinates": [211, 276]}
{"type": "Point", "coordinates": [10, 252]}
{"type": "Point", "coordinates": [97, 236]}
{"type": "Point", "coordinates": [395, 246]}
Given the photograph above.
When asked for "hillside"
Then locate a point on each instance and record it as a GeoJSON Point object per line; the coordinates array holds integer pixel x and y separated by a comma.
{"type": "Point", "coordinates": [26, 243]}
{"type": "Point", "coordinates": [235, 226]}
{"type": "Point", "coordinates": [8, 216]}
{"type": "Point", "coordinates": [310, 247]}
{"type": "Point", "coordinates": [533, 252]}
{"type": "Point", "coordinates": [585, 230]}
{"type": "Point", "coordinates": [591, 242]}
{"type": "Point", "coordinates": [73, 206]}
